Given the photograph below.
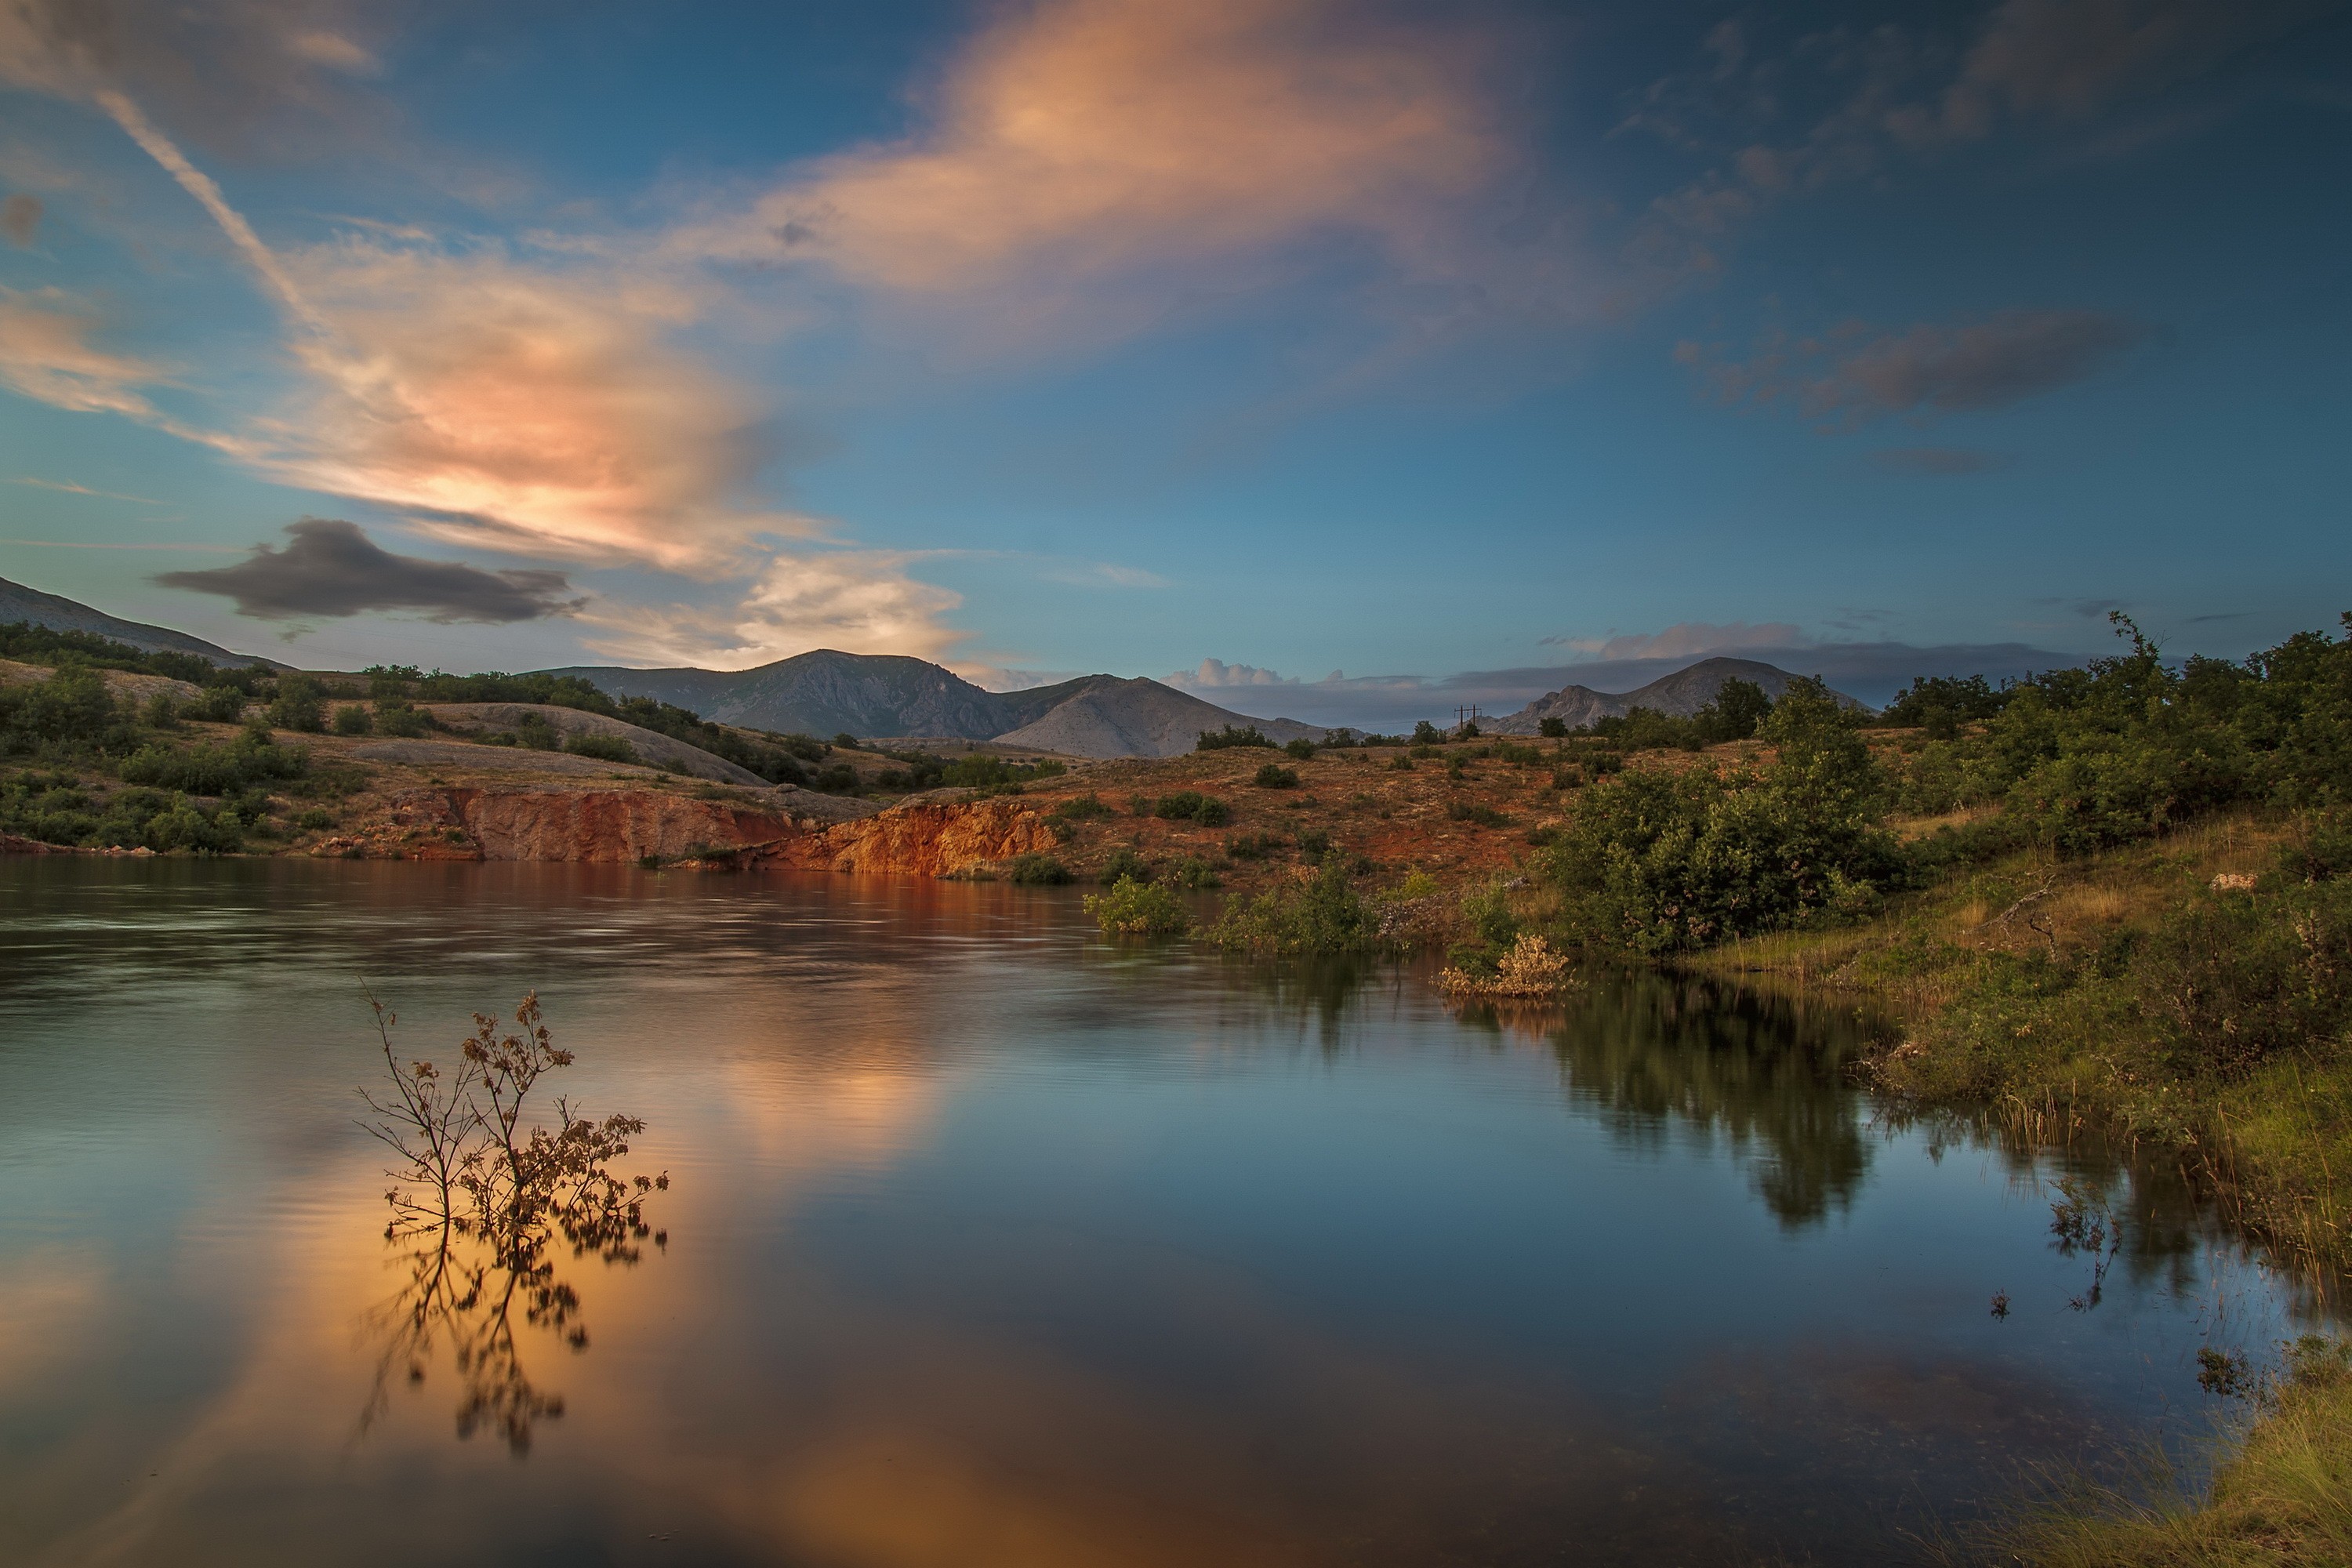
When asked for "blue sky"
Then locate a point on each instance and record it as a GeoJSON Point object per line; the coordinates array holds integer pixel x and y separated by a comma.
{"type": "Point", "coordinates": [1292, 336]}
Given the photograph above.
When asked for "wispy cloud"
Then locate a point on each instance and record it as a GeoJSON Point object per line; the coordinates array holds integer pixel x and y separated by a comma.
{"type": "Point", "coordinates": [74, 489]}
{"type": "Point", "coordinates": [1684, 638]}
{"type": "Point", "coordinates": [330, 569]}
{"type": "Point", "coordinates": [46, 353]}
{"type": "Point", "coordinates": [1845, 103]}
{"type": "Point", "coordinates": [1853, 372]}
{"type": "Point", "coordinates": [1076, 137]}
{"type": "Point", "coordinates": [20, 219]}
{"type": "Point", "coordinates": [859, 601]}
{"type": "Point", "coordinates": [1102, 574]}
{"type": "Point", "coordinates": [1217, 675]}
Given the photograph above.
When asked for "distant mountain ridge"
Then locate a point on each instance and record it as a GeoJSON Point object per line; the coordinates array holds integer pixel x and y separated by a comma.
{"type": "Point", "coordinates": [18, 602]}
{"type": "Point", "coordinates": [1682, 694]}
{"type": "Point", "coordinates": [886, 696]}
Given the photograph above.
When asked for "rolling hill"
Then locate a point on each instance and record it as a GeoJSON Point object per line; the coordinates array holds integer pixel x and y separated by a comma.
{"type": "Point", "coordinates": [18, 602]}
{"type": "Point", "coordinates": [1682, 694]}
{"type": "Point", "coordinates": [878, 696]}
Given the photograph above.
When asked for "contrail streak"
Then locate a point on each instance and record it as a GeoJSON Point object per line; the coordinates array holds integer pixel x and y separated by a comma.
{"type": "Point", "coordinates": [199, 185]}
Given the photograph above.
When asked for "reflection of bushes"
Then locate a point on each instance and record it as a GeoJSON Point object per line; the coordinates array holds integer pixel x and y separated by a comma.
{"type": "Point", "coordinates": [480, 1196]}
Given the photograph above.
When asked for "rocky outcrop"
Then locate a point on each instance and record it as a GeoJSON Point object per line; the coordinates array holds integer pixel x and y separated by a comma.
{"type": "Point", "coordinates": [557, 824]}
{"type": "Point", "coordinates": [936, 839]}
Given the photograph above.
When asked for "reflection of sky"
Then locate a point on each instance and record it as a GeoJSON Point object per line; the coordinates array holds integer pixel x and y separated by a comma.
{"type": "Point", "coordinates": [989, 1244]}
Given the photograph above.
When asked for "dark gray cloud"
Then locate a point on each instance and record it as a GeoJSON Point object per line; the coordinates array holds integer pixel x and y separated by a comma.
{"type": "Point", "coordinates": [20, 220]}
{"type": "Point", "coordinates": [329, 568]}
{"type": "Point", "coordinates": [1936, 459]}
{"type": "Point", "coordinates": [1853, 373]}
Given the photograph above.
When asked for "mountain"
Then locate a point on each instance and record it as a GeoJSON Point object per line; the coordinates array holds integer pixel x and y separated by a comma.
{"type": "Point", "coordinates": [1682, 694]}
{"type": "Point", "coordinates": [881, 695]}
{"type": "Point", "coordinates": [1109, 716]}
{"type": "Point", "coordinates": [18, 602]}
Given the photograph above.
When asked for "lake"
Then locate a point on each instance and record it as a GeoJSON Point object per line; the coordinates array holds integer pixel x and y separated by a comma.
{"type": "Point", "coordinates": [990, 1242]}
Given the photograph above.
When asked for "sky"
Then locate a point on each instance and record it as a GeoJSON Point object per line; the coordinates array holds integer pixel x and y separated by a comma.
{"type": "Point", "coordinates": [1334, 360]}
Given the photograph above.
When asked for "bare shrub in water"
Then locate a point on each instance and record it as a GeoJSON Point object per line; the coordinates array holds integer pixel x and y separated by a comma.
{"type": "Point", "coordinates": [1532, 967]}
{"type": "Point", "coordinates": [480, 1197]}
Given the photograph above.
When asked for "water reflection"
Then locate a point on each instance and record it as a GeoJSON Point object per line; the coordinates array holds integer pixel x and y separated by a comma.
{"type": "Point", "coordinates": [999, 1243]}
{"type": "Point", "coordinates": [482, 1204]}
{"type": "Point", "coordinates": [1656, 1055]}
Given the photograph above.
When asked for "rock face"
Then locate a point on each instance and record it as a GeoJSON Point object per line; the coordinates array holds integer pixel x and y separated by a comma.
{"type": "Point", "coordinates": [938, 839]}
{"type": "Point", "coordinates": [555, 823]}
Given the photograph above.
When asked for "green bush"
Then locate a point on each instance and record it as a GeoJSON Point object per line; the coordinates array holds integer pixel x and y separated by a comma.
{"type": "Point", "coordinates": [1138, 908]}
{"type": "Point", "coordinates": [1321, 915]}
{"type": "Point", "coordinates": [1425, 734]}
{"type": "Point", "coordinates": [1193, 874]}
{"type": "Point", "coordinates": [221, 705]}
{"type": "Point", "coordinates": [840, 778]}
{"type": "Point", "coordinates": [1082, 808]}
{"type": "Point", "coordinates": [1302, 748]}
{"type": "Point", "coordinates": [1313, 845]}
{"type": "Point", "coordinates": [846, 741]}
{"type": "Point", "coordinates": [353, 720]}
{"type": "Point", "coordinates": [1254, 846]}
{"type": "Point", "coordinates": [1125, 866]}
{"type": "Point", "coordinates": [603, 748]}
{"type": "Point", "coordinates": [298, 704]}
{"type": "Point", "coordinates": [1659, 861]}
{"type": "Point", "coordinates": [1229, 737]}
{"type": "Point", "coordinates": [393, 717]}
{"type": "Point", "coordinates": [1274, 776]}
{"type": "Point", "coordinates": [1037, 870]}
{"type": "Point", "coordinates": [1551, 728]}
{"type": "Point", "coordinates": [253, 758]}
{"type": "Point", "coordinates": [1192, 805]}
{"type": "Point", "coordinates": [1482, 815]}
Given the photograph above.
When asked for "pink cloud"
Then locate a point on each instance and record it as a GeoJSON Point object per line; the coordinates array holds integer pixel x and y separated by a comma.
{"type": "Point", "coordinates": [1082, 137]}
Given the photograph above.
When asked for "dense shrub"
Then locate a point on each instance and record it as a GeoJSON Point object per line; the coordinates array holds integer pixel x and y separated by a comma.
{"type": "Point", "coordinates": [1231, 736]}
{"type": "Point", "coordinates": [353, 720]}
{"type": "Point", "coordinates": [1472, 812]}
{"type": "Point", "coordinates": [1552, 727]}
{"type": "Point", "coordinates": [1658, 861]}
{"type": "Point", "coordinates": [1138, 908]}
{"type": "Point", "coordinates": [215, 770]}
{"type": "Point", "coordinates": [1125, 866]}
{"type": "Point", "coordinates": [1254, 846]}
{"type": "Point", "coordinates": [1082, 808]}
{"type": "Point", "coordinates": [1274, 776]}
{"type": "Point", "coordinates": [1302, 748]}
{"type": "Point", "coordinates": [1037, 870]}
{"type": "Point", "coordinates": [1323, 915]}
{"type": "Point", "coordinates": [1193, 874]}
{"type": "Point", "coordinates": [397, 718]}
{"type": "Point", "coordinates": [55, 809]}
{"type": "Point", "coordinates": [603, 748]}
{"type": "Point", "coordinates": [71, 711]}
{"type": "Point", "coordinates": [1192, 805]}
{"type": "Point", "coordinates": [298, 704]}
{"type": "Point", "coordinates": [995, 775]}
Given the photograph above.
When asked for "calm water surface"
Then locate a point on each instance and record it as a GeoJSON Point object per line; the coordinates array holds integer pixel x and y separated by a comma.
{"type": "Point", "coordinates": [991, 1243]}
